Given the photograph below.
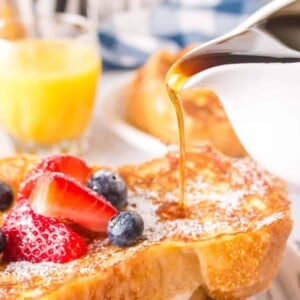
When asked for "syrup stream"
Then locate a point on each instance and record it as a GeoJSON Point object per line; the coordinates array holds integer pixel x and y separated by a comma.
{"type": "Point", "coordinates": [176, 100]}
{"type": "Point", "coordinates": [236, 52]}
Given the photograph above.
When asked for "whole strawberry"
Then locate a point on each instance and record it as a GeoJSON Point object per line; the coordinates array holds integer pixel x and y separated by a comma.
{"type": "Point", "coordinates": [36, 238]}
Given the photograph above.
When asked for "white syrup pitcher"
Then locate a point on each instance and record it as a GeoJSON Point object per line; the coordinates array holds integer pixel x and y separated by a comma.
{"type": "Point", "coordinates": [259, 85]}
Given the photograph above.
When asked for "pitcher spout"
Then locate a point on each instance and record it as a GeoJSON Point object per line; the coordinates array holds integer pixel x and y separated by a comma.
{"type": "Point", "coordinates": [254, 70]}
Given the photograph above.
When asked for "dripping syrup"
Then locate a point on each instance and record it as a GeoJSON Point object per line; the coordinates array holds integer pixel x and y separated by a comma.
{"type": "Point", "coordinates": [235, 50]}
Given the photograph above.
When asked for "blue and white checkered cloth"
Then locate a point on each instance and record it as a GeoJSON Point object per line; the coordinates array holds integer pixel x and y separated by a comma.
{"type": "Point", "coordinates": [127, 39]}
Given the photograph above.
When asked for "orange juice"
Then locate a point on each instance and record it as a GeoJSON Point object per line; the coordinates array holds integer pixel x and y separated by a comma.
{"type": "Point", "coordinates": [47, 89]}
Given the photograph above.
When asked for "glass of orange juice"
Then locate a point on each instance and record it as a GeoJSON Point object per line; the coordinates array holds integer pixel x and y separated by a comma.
{"type": "Point", "coordinates": [49, 69]}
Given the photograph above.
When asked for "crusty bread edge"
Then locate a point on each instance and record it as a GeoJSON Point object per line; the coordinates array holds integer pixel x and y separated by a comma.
{"type": "Point", "coordinates": [227, 267]}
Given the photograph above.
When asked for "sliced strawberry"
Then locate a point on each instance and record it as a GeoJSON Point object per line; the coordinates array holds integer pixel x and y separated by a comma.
{"type": "Point", "coordinates": [27, 186]}
{"type": "Point", "coordinates": [36, 238]}
{"type": "Point", "coordinates": [66, 164]}
{"type": "Point", "coordinates": [59, 196]}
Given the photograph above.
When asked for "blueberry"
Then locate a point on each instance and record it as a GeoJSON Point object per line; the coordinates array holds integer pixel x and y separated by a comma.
{"type": "Point", "coordinates": [110, 185]}
{"type": "Point", "coordinates": [2, 240]}
{"type": "Point", "coordinates": [6, 196]}
{"type": "Point", "coordinates": [125, 228]}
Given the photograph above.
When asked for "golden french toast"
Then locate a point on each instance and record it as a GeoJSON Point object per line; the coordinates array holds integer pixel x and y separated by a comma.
{"type": "Point", "coordinates": [226, 244]}
{"type": "Point", "coordinates": [148, 107]}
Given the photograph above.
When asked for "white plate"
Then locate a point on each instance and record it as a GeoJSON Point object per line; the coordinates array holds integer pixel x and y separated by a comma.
{"type": "Point", "coordinates": [112, 112]}
{"type": "Point", "coordinates": [286, 286]}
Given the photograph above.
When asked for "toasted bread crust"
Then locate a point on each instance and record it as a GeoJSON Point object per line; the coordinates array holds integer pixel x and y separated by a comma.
{"type": "Point", "coordinates": [246, 265]}
{"type": "Point", "coordinates": [229, 243]}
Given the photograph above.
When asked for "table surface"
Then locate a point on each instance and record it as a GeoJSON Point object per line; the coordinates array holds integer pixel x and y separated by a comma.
{"type": "Point", "coordinates": [108, 149]}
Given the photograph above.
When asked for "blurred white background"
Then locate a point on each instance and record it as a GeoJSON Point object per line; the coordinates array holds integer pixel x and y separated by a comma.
{"type": "Point", "coordinates": [94, 9]}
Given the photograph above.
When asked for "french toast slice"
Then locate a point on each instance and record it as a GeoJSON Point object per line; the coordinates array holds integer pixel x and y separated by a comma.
{"type": "Point", "coordinates": [148, 107]}
{"type": "Point", "coordinates": [226, 244]}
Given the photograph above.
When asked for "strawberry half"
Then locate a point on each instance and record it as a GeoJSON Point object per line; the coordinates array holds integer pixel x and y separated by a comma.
{"type": "Point", "coordinates": [36, 238]}
{"type": "Point", "coordinates": [66, 164]}
{"type": "Point", "coordinates": [60, 196]}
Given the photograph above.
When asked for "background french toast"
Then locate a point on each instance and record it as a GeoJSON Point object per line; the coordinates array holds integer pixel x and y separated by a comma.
{"type": "Point", "coordinates": [227, 244]}
{"type": "Point", "coordinates": [148, 107]}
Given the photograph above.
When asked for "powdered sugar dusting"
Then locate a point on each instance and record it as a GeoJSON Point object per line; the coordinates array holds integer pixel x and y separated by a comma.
{"type": "Point", "coordinates": [247, 170]}
{"type": "Point", "coordinates": [142, 201]}
{"type": "Point", "coordinates": [24, 271]}
{"type": "Point", "coordinates": [237, 200]}
{"type": "Point", "coordinates": [221, 196]}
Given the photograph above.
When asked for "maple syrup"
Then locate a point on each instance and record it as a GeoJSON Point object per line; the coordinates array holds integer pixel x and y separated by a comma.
{"type": "Point", "coordinates": [262, 43]}
{"type": "Point", "coordinates": [171, 211]}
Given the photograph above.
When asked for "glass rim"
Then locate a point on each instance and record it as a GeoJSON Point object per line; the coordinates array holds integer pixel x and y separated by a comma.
{"type": "Point", "coordinates": [67, 18]}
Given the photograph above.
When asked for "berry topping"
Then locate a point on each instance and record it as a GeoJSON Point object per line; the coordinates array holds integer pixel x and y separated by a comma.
{"type": "Point", "coordinates": [36, 238]}
{"type": "Point", "coordinates": [59, 196]}
{"type": "Point", "coordinates": [125, 228]}
{"type": "Point", "coordinates": [66, 164]}
{"type": "Point", "coordinates": [6, 196]}
{"type": "Point", "coordinates": [110, 185]}
{"type": "Point", "coordinates": [2, 240]}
